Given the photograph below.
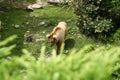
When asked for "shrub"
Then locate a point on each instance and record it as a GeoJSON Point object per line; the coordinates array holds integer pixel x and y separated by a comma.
{"type": "Point", "coordinates": [86, 64]}
{"type": "Point", "coordinates": [79, 66]}
{"type": "Point", "coordinates": [97, 18]}
{"type": "Point", "coordinates": [116, 37]}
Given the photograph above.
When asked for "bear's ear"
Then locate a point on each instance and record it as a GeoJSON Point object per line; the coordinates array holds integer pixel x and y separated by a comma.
{"type": "Point", "coordinates": [48, 36]}
{"type": "Point", "coordinates": [55, 38]}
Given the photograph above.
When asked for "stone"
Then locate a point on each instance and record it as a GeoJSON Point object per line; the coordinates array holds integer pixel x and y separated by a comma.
{"type": "Point", "coordinates": [41, 23]}
{"type": "Point", "coordinates": [27, 31]}
{"type": "Point", "coordinates": [16, 26]}
{"type": "Point", "coordinates": [40, 39]}
{"type": "Point", "coordinates": [9, 58]}
{"type": "Point", "coordinates": [34, 6]}
{"type": "Point", "coordinates": [58, 1]}
{"type": "Point", "coordinates": [27, 23]}
{"type": "Point", "coordinates": [43, 32]}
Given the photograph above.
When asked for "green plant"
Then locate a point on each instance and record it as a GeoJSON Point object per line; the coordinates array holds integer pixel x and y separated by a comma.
{"type": "Point", "coordinates": [97, 18]}
{"type": "Point", "coordinates": [8, 66]}
{"type": "Point", "coordinates": [86, 64]}
{"type": "Point", "coordinates": [116, 36]}
{"type": "Point", "coordinates": [4, 51]}
{"type": "Point", "coordinates": [96, 65]}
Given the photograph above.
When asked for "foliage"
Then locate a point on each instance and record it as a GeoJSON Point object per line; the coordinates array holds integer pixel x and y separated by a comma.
{"type": "Point", "coordinates": [116, 37]}
{"type": "Point", "coordinates": [96, 18]}
{"type": "Point", "coordinates": [6, 50]}
{"type": "Point", "coordinates": [98, 64]}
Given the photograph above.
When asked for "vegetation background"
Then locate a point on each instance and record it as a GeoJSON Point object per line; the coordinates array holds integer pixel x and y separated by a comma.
{"type": "Point", "coordinates": [91, 50]}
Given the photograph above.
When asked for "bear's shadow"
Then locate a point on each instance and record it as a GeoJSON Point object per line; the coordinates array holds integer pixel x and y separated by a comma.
{"type": "Point", "coordinates": [69, 44]}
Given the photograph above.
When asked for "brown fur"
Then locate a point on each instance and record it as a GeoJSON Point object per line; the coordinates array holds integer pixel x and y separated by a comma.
{"type": "Point", "coordinates": [54, 32]}
{"type": "Point", "coordinates": [57, 36]}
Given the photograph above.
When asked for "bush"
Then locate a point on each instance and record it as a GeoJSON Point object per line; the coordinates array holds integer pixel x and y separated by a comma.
{"type": "Point", "coordinates": [97, 18]}
{"type": "Point", "coordinates": [86, 64]}
{"type": "Point", "coordinates": [116, 37]}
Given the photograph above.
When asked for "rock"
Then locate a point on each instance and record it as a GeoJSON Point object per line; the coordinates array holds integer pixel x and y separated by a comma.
{"type": "Point", "coordinates": [16, 26]}
{"type": "Point", "coordinates": [9, 58]}
{"type": "Point", "coordinates": [34, 6]}
{"type": "Point", "coordinates": [41, 23]}
{"type": "Point", "coordinates": [58, 1]}
{"type": "Point", "coordinates": [41, 39]}
{"type": "Point", "coordinates": [29, 7]}
{"type": "Point", "coordinates": [27, 31]}
{"type": "Point", "coordinates": [27, 23]}
{"type": "Point", "coordinates": [43, 32]}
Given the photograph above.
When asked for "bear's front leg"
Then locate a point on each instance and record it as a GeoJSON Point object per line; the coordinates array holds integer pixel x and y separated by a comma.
{"type": "Point", "coordinates": [58, 44]}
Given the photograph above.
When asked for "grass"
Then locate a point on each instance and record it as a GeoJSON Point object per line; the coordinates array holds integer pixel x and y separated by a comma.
{"type": "Point", "coordinates": [29, 21]}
